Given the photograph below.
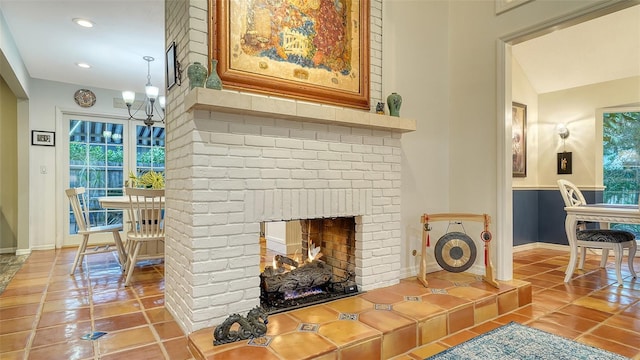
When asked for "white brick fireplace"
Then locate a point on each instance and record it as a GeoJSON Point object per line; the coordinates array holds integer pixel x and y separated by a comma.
{"type": "Point", "coordinates": [242, 159]}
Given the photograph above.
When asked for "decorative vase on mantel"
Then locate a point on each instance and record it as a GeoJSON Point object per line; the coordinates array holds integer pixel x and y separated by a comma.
{"type": "Point", "coordinates": [394, 101]}
{"type": "Point", "coordinates": [197, 74]}
{"type": "Point", "coordinates": [213, 81]}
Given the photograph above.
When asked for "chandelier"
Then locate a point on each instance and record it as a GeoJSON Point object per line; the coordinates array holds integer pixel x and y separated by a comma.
{"type": "Point", "coordinates": [151, 101]}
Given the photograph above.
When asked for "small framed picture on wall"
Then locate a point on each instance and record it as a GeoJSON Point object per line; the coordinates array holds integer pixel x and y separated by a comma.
{"type": "Point", "coordinates": [564, 163]}
{"type": "Point", "coordinates": [43, 138]}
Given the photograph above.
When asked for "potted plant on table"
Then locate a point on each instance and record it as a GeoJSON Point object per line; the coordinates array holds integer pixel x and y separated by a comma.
{"type": "Point", "coordinates": [150, 179]}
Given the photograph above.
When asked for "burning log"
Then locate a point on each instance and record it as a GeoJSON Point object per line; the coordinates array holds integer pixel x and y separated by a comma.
{"type": "Point", "coordinates": [286, 260]}
{"type": "Point", "coordinates": [316, 273]}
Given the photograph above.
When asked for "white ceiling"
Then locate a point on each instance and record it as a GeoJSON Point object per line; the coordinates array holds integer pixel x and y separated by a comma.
{"type": "Point", "coordinates": [125, 30]}
{"type": "Point", "coordinates": [50, 44]}
{"type": "Point", "coordinates": [603, 49]}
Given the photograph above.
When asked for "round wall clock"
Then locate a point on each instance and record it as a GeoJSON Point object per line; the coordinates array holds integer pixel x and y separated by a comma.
{"type": "Point", "coordinates": [85, 98]}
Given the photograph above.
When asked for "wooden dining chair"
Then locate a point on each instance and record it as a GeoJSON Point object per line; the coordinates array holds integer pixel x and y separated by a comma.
{"type": "Point", "coordinates": [146, 213]}
{"type": "Point", "coordinates": [78, 201]}
{"type": "Point", "coordinates": [604, 239]}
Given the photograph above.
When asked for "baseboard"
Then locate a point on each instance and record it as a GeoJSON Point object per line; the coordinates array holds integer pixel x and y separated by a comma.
{"type": "Point", "coordinates": [23, 251]}
{"type": "Point", "coordinates": [10, 250]}
{"type": "Point", "coordinates": [540, 245]}
{"type": "Point", "coordinates": [44, 247]}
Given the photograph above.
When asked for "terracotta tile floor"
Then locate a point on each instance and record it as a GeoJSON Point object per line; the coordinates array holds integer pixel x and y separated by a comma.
{"type": "Point", "coordinates": [44, 312]}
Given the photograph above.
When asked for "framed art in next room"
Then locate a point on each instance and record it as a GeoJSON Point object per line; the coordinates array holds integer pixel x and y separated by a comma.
{"type": "Point", "coordinates": [519, 139]}
{"type": "Point", "coordinates": [564, 163]}
{"type": "Point", "coordinates": [316, 50]}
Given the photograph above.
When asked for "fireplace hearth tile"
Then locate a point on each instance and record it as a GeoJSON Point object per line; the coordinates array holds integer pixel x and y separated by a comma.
{"type": "Point", "coordinates": [383, 296]}
{"type": "Point", "coordinates": [419, 311]}
{"type": "Point", "coordinates": [300, 345]}
{"type": "Point", "coordinates": [281, 323]}
{"type": "Point", "coordinates": [351, 317]}
{"type": "Point", "coordinates": [308, 327]}
{"type": "Point", "coordinates": [386, 321]}
{"type": "Point", "coordinates": [343, 333]}
{"type": "Point", "coordinates": [263, 341]}
{"type": "Point", "coordinates": [246, 352]}
{"type": "Point", "coordinates": [353, 304]}
{"type": "Point", "coordinates": [379, 330]}
{"type": "Point", "coordinates": [318, 314]}
{"type": "Point", "coordinates": [370, 349]}
{"type": "Point", "coordinates": [470, 293]}
{"type": "Point", "coordinates": [445, 301]}
{"type": "Point", "coordinates": [410, 287]}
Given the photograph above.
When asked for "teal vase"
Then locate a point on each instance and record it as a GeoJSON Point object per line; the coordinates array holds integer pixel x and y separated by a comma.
{"type": "Point", "coordinates": [213, 81]}
{"type": "Point", "coordinates": [394, 101]}
{"type": "Point", "coordinates": [197, 75]}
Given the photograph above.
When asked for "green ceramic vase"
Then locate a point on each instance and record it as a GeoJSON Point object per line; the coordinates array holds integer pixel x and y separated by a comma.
{"type": "Point", "coordinates": [394, 101]}
{"type": "Point", "coordinates": [213, 81]}
{"type": "Point", "coordinates": [197, 74]}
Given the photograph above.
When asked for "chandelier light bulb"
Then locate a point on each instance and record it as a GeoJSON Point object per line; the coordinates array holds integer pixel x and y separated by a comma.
{"type": "Point", "coordinates": [162, 101]}
{"type": "Point", "coordinates": [152, 92]}
{"type": "Point", "coordinates": [129, 97]}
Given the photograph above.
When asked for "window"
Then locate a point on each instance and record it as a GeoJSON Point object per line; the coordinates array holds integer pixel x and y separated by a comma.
{"type": "Point", "coordinates": [149, 149]}
{"type": "Point", "coordinates": [98, 160]}
{"type": "Point", "coordinates": [621, 160]}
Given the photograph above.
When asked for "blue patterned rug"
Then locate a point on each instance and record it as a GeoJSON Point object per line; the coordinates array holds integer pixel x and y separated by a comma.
{"type": "Point", "coordinates": [515, 341]}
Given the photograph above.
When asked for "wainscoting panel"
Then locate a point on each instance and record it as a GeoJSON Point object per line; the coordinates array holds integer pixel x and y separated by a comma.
{"type": "Point", "coordinates": [538, 215]}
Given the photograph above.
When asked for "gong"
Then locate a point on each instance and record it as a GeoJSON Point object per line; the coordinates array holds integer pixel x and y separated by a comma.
{"type": "Point", "coordinates": [455, 252]}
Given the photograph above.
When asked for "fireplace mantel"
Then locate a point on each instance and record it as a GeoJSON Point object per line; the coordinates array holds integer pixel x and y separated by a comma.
{"type": "Point", "coordinates": [272, 107]}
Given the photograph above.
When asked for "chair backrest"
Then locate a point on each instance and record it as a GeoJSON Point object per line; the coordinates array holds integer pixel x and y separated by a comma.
{"type": "Point", "coordinates": [571, 195]}
{"type": "Point", "coordinates": [146, 212]}
{"type": "Point", "coordinates": [78, 200]}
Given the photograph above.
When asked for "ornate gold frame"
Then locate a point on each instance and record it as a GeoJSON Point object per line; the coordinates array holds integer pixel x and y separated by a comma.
{"type": "Point", "coordinates": [291, 80]}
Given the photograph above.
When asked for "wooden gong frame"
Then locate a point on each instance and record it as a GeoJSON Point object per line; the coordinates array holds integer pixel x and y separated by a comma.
{"type": "Point", "coordinates": [489, 276]}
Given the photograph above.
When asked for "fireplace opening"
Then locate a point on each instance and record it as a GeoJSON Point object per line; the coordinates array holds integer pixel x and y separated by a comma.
{"type": "Point", "coordinates": [306, 262]}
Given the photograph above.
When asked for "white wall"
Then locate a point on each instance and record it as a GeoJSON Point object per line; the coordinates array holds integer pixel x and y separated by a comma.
{"type": "Point", "coordinates": [442, 58]}
{"type": "Point", "coordinates": [418, 71]}
{"type": "Point", "coordinates": [12, 68]}
{"type": "Point", "coordinates": [47, 202]}
{"type": "Point", "coordinates": [577, 108]}
{"type": "Point", "coordinates": [276, 236]}
{"type": "Point", "coordinates": [523, 93]}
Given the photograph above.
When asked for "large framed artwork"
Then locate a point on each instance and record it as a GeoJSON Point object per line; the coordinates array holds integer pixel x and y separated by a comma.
{"type": "Point", "coordinates": [519, 139]}
{"type": "Point", "coordinates": [309, 50]}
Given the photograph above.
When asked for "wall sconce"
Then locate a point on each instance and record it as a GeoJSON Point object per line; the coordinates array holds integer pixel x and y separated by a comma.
{"type": "Point", "coordinates": [564, 158]}
{"type": "Point", "coordinates": [563, 131]}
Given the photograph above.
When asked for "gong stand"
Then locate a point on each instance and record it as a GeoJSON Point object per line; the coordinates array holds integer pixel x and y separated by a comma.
{"type": "Point", "coordinates": [458, 244]}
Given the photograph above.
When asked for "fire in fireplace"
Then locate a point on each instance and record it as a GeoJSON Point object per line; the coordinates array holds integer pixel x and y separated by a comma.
{"type": "Point", "coordinates": [322, 269]}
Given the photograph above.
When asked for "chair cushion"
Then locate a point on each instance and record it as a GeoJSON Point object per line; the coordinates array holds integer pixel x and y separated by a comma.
{"type": "Point", "coordinates": [605, 235]}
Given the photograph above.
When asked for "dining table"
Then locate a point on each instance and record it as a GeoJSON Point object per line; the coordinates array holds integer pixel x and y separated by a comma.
{"type": "Point", "coordinates": [116, 202]}
{"type": "Point", "coordinates": [604, 214]}
{"type": "Point", "coordinates": [121, 202]}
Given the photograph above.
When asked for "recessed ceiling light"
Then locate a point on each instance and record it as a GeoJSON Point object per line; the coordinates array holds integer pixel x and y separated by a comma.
{"type": "Point", "coordinates": [83, 65]}
{"type": "Point", "coordinates": [83, 22]}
